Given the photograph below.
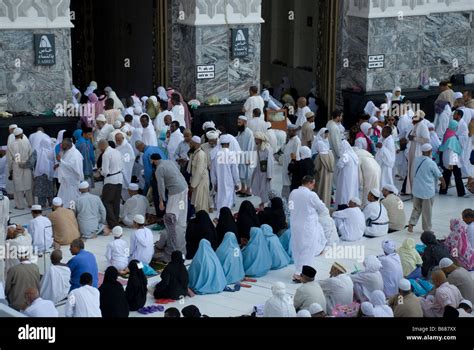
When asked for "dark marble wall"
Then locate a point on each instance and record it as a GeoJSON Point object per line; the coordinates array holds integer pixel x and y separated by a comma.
{"type": "Point", "coordinates": [25, 86]}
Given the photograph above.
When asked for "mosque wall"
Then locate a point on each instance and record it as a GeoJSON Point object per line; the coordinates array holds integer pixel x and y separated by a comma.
{"type": "Point", "coordinates": [24, 85]}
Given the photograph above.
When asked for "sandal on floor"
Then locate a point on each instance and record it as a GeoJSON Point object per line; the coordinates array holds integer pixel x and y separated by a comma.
{"type": "Point", "coordinates": [248, 279]}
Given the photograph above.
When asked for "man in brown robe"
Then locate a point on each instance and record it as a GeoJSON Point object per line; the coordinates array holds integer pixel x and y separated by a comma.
{"type": "Point", "coordinates": [65, 226]}
{"type": "Point", "coordinates": [324, 166]}
{"type": "Point", "coordinates": [406, 303]}
{"type": "Point", "coordinates": [197, 167]}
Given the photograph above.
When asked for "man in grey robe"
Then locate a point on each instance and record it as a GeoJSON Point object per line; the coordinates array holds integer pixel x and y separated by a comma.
{"type": "Point", "coordinates": [247, 145]}
{"type": "Point", "coordinates": [90, 212]}
{"type": "Point", "coordinates": [263, 169]}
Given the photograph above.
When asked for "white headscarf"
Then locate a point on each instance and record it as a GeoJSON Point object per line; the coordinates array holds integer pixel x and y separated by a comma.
{"type": "Point", "coordinates": [45, 158]}
{"type": "Point", "coordinates": [381, 309]}
{"type": "Point", "coordinates": [321, 144]}
{"type": "Point", "coordinates": [370, 109]}
{"type": "Point", "coordinates": [263, 137]}
{"type": "Point", "coordinates": [60, 137]}
{"type": "Point", "coordinates": [346, 149]}
{"type": "Point", "coordinates": [305, 153]}
{"type": "Point", "coordinates": [162, 94]}
{"type": "Point", "coordinates": [372, 264]}
{"type": "Point", "coordinates": [117, 103]}
{"type": "Point", "coordinates": [280, 304]}
{"type": "Point", "coordinates": [365, 128]}
{"type": "Point", "coordinates": [389, 247]}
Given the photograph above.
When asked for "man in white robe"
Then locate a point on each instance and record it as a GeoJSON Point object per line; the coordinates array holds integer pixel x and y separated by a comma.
{"type": "Point", "coordinates": [136, 204]}
{"type": "Point", "coordinates": [247, 146]}
{"type": "Point", "coordinates": [116, 253]}
{"type": "Point", "coordinates": [292, 147]}
{"type": "Point", "coordinates": [443, 295]}
{"type": "Point", "coordinates": [55, 283]}
{"type": "Point", "coordinates": [350, 222]}
{"type": "Point", "coordinates": [376, 215]}
{"type": "Point", "coordinates": [442, 122]}
{"type": "Point", "coordinates": [176, 137]}
{"type": "Point", "coordinates": [338, 288]}
{"type": "Point", "coordinates": [35, 138]}
{"type": "Point", "coordinates": [256, 123]}
{"type": "Point", "coordinates": [370, 173]}
{"type": "Point", "coordinates": [4, 217]}
{"type": "Point", "coordinates": [19, 152]}
{"type": "Point", "coordinates": [392, 271]}
{"type": "Point", "coordinates": [301, 113]}
{"type": "Point", "coordinates": [84, 301]}
{"type": "Point", "coordinates": [149, 137]}
{"type": "Point", "coordinates": [385, 156]}
{"type": "Point", "coordinates": [38, 307]}
{"type": "Point", "coordinates": [280, 304]}
{"type": "Point", "coordinates": [70, 173]}
{"type": "Point", "coordinates": [141, 242]}
{"type": "Point", "coordinates": [90, 212]}
{"type": "Point", "coordinates": [11, 135]}
{"type": "Point", "coordinates": [225, 175]}
{"type": "Point", "coordinates": [103, 129]}
{"type": "Point", "coordinates": [347, 180]}
{"type": "Point", "coordinates": [253, 102]}
{"type": "Point", "coordinates": [307, 234]}
{"type": "Point", "coordinates": [335, 136]}
{"type": "Point", "coordinates": [369, 280]}
{"type": "Point", "coordinates": [128, 160]}
{"type": "Point", "coordinates": [41, 230]}
{"type": "Point", "coordinates": [466, 143]}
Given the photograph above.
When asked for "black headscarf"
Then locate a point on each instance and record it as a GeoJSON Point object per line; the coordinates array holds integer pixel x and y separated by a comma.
{"type": "Point", "coordinates": [434, 252]}
{"type": "Point", "coordinates": [300, 169]}
{"type": "Point", "coordinates": [113, 302]}
{"type": "Point", "coordinates": [225, 224]}
{"type": "Point", "coordinates": [274, 215]}
{"type": "Point", "coordinates": [201, 227]}
{"type": "Point", "coordinates": [191, 311]}
{"type": "Point", "coordinates": [174, 279]}
{"type": "Point", "coordinates": [136, 290]}
{"type": "Point", "coordinates": [247, 219]}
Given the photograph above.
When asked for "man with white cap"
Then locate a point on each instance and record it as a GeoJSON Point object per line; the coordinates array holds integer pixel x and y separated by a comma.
{"type": "Point", "coordinates": [458, 276]}
{"type": "Point", "coordinates": [136, 204]}
{"type": "Point", "coordinates": [41, 230]}
{"type": "Point", "coordinates": [90, 212]}
{"type": "Point", "coordinates": [338, 288]}
{"type": "Point", "coordinates": [65, 226]}
{"type": "Point", "coordinates": [117, 251]}
{"type": "Point", "coordinates": [376, 216]}
{"type": "Point", "coordinates": [19, 278]}
{"type": "Point", "coordinates": [70, 172]}
{"type": "Point", "coordinates": [198, 168]}
{"type": "Point", "coordinates": [211, 147]}
{"type": "Point", "coordinates": [141, 241]}
{"type": "Point", "coordinates": [392, 271]}
{"type": "Point", "coordinates": [426, 176]}
{"type": "Point", "coordinates": [247, 145]}
{"type": "Point", "coordinates": [395, 209]}
{"type": "Point", "coordinates": [291, 150]}
{"type": "Point", "coordinates": [117, 126]}
{"type": "Point", "coordinates": [418, 136]}
{"type": "Point", "coordinates": [19, 153]}
{"type": "Point", "coordinates": [11, 136]}
{"type": "Point", "coordinates": [263, 173]}
{"type": "Point", "coordinates": [350, 222]}
{"type": "Point", "coordinates": [405, 303]}
{"type": "Point", "coordinates": [316, 310]}
{"type": "Point", "coordinates": [103, 129]}
{"type": "Point", "coordinates": [225, 175]}
{"type": "Point", "coordinates": [307, 130]}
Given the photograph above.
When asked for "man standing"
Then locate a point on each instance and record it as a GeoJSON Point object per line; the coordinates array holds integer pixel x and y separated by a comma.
{"type": "Point", "coordinates": [19, 152]}
{"type": "Point", "coordinates": [199, 185]}
{"type": "Point", "coordinates": [90, 213]}
{"type": "Point", "coordinates": [247, 145]}
{"type": "Point", "coordinates": [70, 173]}
{"type": "Point", "coordinates": [385, 156]}
{"type": "Point", "coordinates": [41, 230]}
{"type": "Point", "coordinates": [55, 283]}
{"type": "Point", "coordinates": [256, 123]}
{"type": "Point", "coordinates": [136, 204]}
{"type": "Point", "coordinates": [112, 167]}
{"type": "Point", "coordinates": [4, 217]}
{"type": "Point", "coordinates": [307, 131]}
{"type": "Point", "coordinates": [169, 178]}
{"type": "Point", "coordinates": [466, 143]}
{"type": "Point", "coordinates": [446, 95]}
{"type": "Point", "coordinates": [301, 113]}
{"type": "Point", "coordinates": [82, 262]}
{"type": "Point", "coordinates": [335, 137]}
{"type": "Point", "coordinates": [426, 175]}
{"type": "Point", "coordinates": [253, 102]}
{"type": "Point", "coordinates": [468, 101]}
{"type": "Point", "coordinates": [338, 289]}
{"type": "Point", "coordinates": [64, 222]}
{"type": "Point", "coordinates": [263, 172]}
{"type": "Point", "coordinates": [307, 234]}
{"type": "Point", "coordinates": [292, 147]}
{"type": "Point", "coordinates": [176, 137]}
{"type": "Point", "coordinates": [148, 132]}
{"type": "Point", "coordinates": [225, 175]}
{"type": "Point", "coordinates": [128, 160]}
{"type": "Point", "coordinates": [84, 145]}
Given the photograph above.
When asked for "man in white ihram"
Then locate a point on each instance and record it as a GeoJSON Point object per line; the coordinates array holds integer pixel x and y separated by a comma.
{"type": "Point", "coordinates": [307, 234]}
{"type": "Point", "coordinates": [70, 173]}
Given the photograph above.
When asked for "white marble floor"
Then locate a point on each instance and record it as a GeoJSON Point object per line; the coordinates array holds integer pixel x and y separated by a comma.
{"type": "Point", "coordinates": [236, 304]}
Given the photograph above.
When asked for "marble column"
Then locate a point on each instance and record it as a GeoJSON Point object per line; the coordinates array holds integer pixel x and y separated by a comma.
{"type": "Point", "coordinates": [201, 35]}
{"type": "Point", "coordinates": [25, 86]}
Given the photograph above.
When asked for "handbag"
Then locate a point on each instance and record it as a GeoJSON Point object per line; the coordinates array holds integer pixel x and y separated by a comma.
{"type": "Point", "coordinates": [263, 164]}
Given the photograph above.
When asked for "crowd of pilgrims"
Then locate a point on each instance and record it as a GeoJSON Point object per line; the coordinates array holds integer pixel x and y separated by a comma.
{"type": "Point", "coordinates": [156, 172]}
